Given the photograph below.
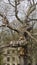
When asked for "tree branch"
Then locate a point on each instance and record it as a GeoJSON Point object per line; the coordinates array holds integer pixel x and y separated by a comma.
{"type": "Point", "coordinates": [29, 34]}
{"type": "Point", "coordinates": [35, 34]}
{"type": "Point", "coordinates": [32, 19]}
{"type": "Point", "coordinates": [5, 20]}
{"type": "Point", "coordinates": [2, 25]}
{"type": "Point", "coordinates": [30, 10]}
{"type": "Point", "coordinates": [10, 3]}
{"type": "Point", "coordinates": [16, 12]}
{"type": "Point", "coordinates": [33, 2]}
{"type": "Point", "coordinates": [10, 27]}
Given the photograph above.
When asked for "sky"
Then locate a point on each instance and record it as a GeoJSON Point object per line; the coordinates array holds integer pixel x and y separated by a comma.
{"type": "Point", "coordinates": [22, 8]}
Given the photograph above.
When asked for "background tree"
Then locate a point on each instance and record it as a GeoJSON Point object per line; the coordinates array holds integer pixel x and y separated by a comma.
{"type": "Point", "coordinates": [25, 30]}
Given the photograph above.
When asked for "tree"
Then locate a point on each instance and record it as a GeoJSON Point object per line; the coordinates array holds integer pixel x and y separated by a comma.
{"type": "Point", "coordinates": [26, 29]}
{"type": "Point", "coordinates": [27, 20]}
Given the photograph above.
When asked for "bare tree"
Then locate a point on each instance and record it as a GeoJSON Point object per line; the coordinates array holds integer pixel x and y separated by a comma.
{"type": "Point", "coordinates": [26, 26]}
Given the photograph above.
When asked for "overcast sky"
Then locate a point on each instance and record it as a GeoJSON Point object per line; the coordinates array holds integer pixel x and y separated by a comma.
{"type": "Point", "coordinates": [22, 9]}
{"type": "Point", "coordinates": [9, 10]}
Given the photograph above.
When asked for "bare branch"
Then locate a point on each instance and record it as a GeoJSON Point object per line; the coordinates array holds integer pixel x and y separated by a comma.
{"type": "Point", "coordinates": [16, 12]}
{"type": "Point", "coordinates": [10, 27]}
{"type": "Point", "coordinates": [5, 20]}
{"type": "Point", "coordinates": [32, 19]}
{"type": "Point", "coordinates": [33, 2]}
{"type": "Point", "coordinates": [11, 3]}
{"type": "Point", "coordinates": [35, 34]}
{"type": "Point", "coordinates": [2, 25]}
{"type": "Point", "coordinates": [29, 34]}
{"type": "Point", "coordinates": [30, 2]}
{"type": "Point", "coordinates": [30, 10]}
